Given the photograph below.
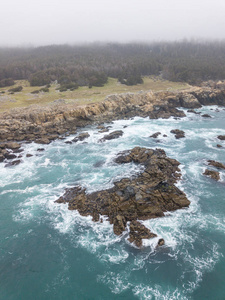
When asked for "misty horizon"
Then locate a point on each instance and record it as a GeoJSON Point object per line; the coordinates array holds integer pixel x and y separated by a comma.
{"type": "Point", "coordinates": [26, 24]}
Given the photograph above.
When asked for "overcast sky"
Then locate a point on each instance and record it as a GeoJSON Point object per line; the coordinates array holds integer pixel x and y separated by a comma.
{"type": "Point", "coordinates": [44, 22]}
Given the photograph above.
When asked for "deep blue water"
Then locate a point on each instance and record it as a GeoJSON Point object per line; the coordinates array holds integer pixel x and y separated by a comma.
{"type": "Point", "coordinates": [49, 252]}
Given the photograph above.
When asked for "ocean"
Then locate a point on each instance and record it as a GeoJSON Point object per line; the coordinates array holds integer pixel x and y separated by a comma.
{"type": "Point", "coordinates": [48, 252]}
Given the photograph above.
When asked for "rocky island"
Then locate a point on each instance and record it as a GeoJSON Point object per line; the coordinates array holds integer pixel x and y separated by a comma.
{"type": "Point", "coordinates": [148, 195]}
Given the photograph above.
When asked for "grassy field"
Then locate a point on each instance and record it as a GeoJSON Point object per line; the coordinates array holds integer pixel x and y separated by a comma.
{"type": "Point", "coordinates": [81, 96]}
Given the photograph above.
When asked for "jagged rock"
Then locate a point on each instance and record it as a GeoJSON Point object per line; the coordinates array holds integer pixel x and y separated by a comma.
{"type": "Point", "coordinates": [145, 196]}
{"type": "Point", "coordinates": [216, 164]}
{"type": "Point", "coordinates": [155, 135]}
{"type": "Point", "coordinates": [13, 163]}
{"type": "Point", "coordinates": [138, 232]}
{"type": "Point", "coordinates": [81, 137]}
{"type": "Point", "coordinates": [221, 137]}
{"type": "Point", "coordinates": [165, 112]}
{"type": "Point", "coordinates": [206, 116]}
{"type": "Point", "coordinates": [213, 174]}
{"type": "Point", "coordinates": [40, 149]}
{"type": "Point", "coordinates": [178, 133]}
{"type": "Point", "coordinates": [113, 135]}
{"type": "Point", "coordinates": [10, 156]}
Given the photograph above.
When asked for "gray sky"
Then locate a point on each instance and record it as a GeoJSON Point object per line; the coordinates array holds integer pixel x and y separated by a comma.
{"type": "Point", "coordinates": [44, 22]}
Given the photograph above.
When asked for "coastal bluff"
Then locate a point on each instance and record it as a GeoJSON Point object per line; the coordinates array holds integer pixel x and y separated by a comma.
{"type": "Point", "coordinates": [43, 124]}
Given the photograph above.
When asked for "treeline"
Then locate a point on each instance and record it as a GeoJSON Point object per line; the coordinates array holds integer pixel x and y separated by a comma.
{"type": "Point", "coordinates": [91, 65]}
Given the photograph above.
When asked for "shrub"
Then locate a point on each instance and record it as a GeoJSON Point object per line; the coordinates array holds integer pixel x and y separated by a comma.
{"type": "Point", "coordinates": [16, 89]}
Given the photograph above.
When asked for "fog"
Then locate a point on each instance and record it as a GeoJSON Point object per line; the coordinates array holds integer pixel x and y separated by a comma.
{"type": "Point", "coordinates": [44, 22]}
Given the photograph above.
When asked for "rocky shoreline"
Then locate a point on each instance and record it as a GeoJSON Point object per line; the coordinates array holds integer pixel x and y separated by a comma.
{"type": "Point", "coordinates": [148, 195]}
{"type": "Point", "coordinates": [44, 124]}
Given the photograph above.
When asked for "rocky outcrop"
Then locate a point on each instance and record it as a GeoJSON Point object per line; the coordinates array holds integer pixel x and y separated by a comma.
{"type": "Point", "coordinates": [221, 137]}
{"type": "Point", "coordinates": [81, 137]}
{"type": "Point", "coordinates": [213, 174]}
{"type": "Point", "coordinates": [147, 195]}
{"type": "Point", "coordinates": [111, 136]}
{"type": "Point", "coordinates": [155, 135]}
{"type": "Point", "coordinates": [206, 116]}
{"type": "Point", "coordinates": [216, 164]}
{"type": "Point", "coordinates": [178, 133]}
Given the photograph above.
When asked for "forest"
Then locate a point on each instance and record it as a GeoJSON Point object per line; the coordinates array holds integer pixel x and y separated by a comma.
{"type": "Point", "coordinates": [92, 64]}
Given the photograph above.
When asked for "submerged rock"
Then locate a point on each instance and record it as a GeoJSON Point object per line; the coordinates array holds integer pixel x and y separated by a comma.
{"type": "Point", "coordinates": [145, 196]}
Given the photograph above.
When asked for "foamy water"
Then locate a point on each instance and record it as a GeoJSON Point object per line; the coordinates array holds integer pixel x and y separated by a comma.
{"type": "Point", "coordinates": [53, 253]}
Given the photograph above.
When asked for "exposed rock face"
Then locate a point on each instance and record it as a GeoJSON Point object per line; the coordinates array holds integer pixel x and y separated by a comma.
{"type": "Point", "coordinates": [81, 137]}
{"type": "Point", "coordinates": [213, 174]}
{"type": "Point", "coordinates": [165, 112]}
{"type": "Point", "coordinates": [145, 196]}
{"type": "Point", "coordinates": [216, 164]}
{"type": "Point", "coordinates": [111, 136]}
{"type": "Point", "coordinates": [178, 133]}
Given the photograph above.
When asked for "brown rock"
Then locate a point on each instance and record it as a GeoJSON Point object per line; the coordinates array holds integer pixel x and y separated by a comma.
{"type": "Point", "coordinates": [43, 141]}
{"type": "Point", "coordinates": [161, 242]}
{"type": "Point", "coordinates": [178, 133]}
{"type": "Point", "coordinates": [213, 174]}
{"type": "Point", "coordinates": [221, 137]}
{"type": "Point", "coordinates": [216, 164]}
{"type": "Point", "coordinates": [81, 137]}
{"type": "Point", "coordinates": [206, 116]}
{"type": "Point", "coordinates": [146, 196]}
{"type": "Point", "coordinates": [113, 135]}
{"type": "Point", "coordinates": [155, 135]}
{"type": "Point", "coordinates": [12, 145]}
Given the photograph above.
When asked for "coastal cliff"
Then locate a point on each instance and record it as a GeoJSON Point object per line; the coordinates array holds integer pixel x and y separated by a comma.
{"type": "Point", "coordinates": [43, 124]}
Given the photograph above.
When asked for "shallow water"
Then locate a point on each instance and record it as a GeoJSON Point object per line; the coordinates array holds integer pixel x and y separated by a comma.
{"type": "Point", "coordinates": [49, 252]}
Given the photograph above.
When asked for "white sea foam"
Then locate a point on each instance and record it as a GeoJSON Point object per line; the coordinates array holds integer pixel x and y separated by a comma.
{"type": "Point", "coordinates": [157, 293]}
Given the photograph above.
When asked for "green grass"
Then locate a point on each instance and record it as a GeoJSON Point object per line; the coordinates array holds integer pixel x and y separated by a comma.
{"type": "Point", "coordinates": [81, 96]}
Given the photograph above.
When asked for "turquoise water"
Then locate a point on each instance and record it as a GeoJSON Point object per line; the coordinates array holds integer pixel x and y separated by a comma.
{"type": "Point", "coordinates": [49, 252]}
